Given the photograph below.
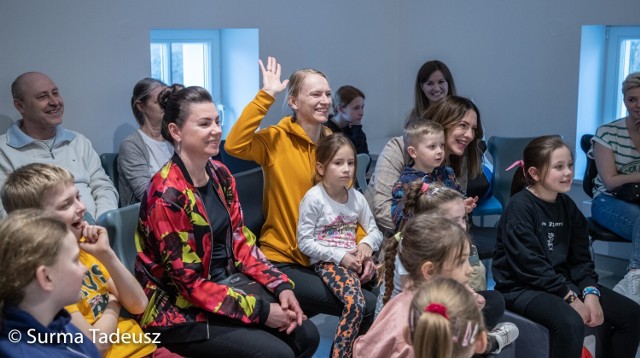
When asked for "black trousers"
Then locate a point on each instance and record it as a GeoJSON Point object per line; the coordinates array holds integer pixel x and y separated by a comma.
{"type": "Point", "coordinates": [618, 336]}
{"type": "Point", "coordinates": [230, 338]}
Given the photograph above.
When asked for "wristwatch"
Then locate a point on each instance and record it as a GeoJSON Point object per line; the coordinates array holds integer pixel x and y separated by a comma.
{"type": "Point", "coordinates": [572, 297]}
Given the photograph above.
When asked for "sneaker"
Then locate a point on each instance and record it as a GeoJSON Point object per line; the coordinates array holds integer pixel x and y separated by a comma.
{"type": "Point", "coordinates": [504, 333]}
{"type": "Point", "coordinates": [630, 285]}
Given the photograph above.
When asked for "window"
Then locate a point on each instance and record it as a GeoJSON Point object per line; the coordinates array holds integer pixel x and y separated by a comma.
{"type": "Point", "coordinates": [224, 61]}
{"type": "Point", "coordinates": [607, 55]}
{"type": "Point", "coordinates": [189, 57]}
{"type": "Point", "coordinates": [623, 58]}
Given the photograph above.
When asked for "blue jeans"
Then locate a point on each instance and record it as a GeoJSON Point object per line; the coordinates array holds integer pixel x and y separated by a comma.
{"type": "Point", "coordinates": [621, 217]}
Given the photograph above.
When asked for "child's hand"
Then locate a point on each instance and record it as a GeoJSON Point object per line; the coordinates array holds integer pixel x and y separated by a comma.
{"type": "Point", "coordinates": [582, 310]}
{"type": "Point", "coordinates": [95, 241]}
{"type": "Point", "coordinates": [350, 262]}
{"type": "Point", "coordinates": [470, 204]}
{"type": "Point", "coordinates": [596, 316]}
{"type": "Point", "coordinates": [368, 270]}
{"type": "Point", "coordinates": [364, 252]}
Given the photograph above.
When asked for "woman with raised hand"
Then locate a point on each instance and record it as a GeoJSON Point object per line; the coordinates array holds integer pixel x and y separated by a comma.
{"type": "Point", "coordinates": [192, 238]}
{"type": "Point", "coordinates": [286, 152]}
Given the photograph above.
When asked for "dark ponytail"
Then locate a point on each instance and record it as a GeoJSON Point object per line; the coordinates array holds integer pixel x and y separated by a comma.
{"type": "Point", "coordinates": [175, 101]}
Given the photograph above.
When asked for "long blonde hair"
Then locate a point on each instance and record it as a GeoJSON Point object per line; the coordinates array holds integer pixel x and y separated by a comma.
{"type": "Point", "coordinates": [444, 320]}
{"type": "Point", "coordinates": [29, 238]}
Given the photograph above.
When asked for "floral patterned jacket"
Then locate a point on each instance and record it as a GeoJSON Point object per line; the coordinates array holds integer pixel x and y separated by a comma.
{"type": "Point", "coordinates": [172, 218]}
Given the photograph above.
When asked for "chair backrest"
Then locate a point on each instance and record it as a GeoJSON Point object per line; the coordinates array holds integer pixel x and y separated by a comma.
{"type": "Point", "coordinates": [235, 165]}
{"type": "Point", "coordinates": [250, 187]}
{"type": "Point", "coordinates": [109, 163]}
{"type": "Point", "coordinates": [505, 151]}
{"type": "Point", "coordinates": [121, 225]}
{"type": "Point", "coordinates": [363, 160]}
{"type": "Point", "coordinates": [591, 171]}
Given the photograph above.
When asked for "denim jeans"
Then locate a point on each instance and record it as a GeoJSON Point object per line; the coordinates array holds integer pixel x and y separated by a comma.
{"type": "Point", "coordinates": [621, 217]}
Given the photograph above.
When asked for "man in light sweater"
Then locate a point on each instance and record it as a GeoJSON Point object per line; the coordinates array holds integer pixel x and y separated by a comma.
{"type": "Point", "coordinates": [39, 137]}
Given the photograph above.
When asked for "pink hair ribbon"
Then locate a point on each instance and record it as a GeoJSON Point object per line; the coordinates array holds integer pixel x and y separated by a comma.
{"type": "Point", "coordinates": [424, 187]}
{"type": "Point", "coordinates": [437, 308]}
{"type": "Point", "coordinates": [517, 163]}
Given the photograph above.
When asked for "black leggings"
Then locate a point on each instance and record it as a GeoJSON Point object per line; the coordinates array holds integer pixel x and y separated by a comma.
{"type": "Point", "coordinates": [618, 336]}
{"type": "Point", "coordinates": [235, 339]}
{"type": "Point", "coordinates": [315, 297]}
{"type": "Point", "coordinates": [493, 308]}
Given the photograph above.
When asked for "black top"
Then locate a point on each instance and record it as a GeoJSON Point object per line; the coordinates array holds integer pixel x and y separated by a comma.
{"type": "Point", "coordinates": [541, 247]}
{"type": "Point", "coordinates": [355, 133]}
{"type": "Point", "coordinates": [219, 226]}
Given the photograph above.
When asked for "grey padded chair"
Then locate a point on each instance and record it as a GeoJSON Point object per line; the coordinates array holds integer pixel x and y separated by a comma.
{"type": "Point", "coordinates": [363, 160]}
{"type": "Point", "coordinates": [250, 187]}
{"type": "Point", "coordinates": [504, 151]}
{"type": "Point", "coordinates": [109, 163]}
{"type": "Point", "coordinates": [596, 231]}
{"type": "Point", "coordinates": [121, 225]}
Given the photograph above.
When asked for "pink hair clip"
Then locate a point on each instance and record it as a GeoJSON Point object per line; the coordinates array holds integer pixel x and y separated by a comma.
{"type": "Point", "coordinates": [437, 308]}
{"type": "Point", "coordinates": [517, 163]}
{"type": "Point", "coordinates": [424, 187]}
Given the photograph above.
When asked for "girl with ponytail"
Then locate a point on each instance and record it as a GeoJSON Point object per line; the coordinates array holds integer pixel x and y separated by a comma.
{"type": "Point", "coordinates": [445, 322]}
{"type": "Point", "coordinates": [542, 264]}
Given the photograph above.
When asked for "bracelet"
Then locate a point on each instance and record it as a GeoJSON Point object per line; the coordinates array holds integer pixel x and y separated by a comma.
{"type": "Point", "coordinates": [590, 291]}
{"type": "Point", "coordinates": [572, 297]}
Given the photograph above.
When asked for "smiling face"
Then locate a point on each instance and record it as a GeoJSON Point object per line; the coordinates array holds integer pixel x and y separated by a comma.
{"type": "Point", "coordinates": [632, 102]}
{"type": "Point", "coordinates": [435, 87]}
{"type": "Point", "coordinates": [340, 170]}
{"type": "Point", "coordinates": [461, 134]}
{"type": "Point", "coordinates": [40, 104]}
{"type": "Point", "coordinates": [354, 111]}
{"type": "Point", "coordinates": [311, 104]}
{"type": "Point", "coordinates": [428, 153]}
{"type": "Point", "coordinates": [64, 202]}
{"type": "Point", "coordinates": [199, 136]}
{"type": "Point", "coordinates": [556, 178]}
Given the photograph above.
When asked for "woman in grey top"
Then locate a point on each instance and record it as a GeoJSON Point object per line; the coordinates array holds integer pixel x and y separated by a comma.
{"type": "Point", "coordinates": [145, 151]}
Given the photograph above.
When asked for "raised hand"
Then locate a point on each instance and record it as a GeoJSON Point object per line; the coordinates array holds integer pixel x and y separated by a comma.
{"type": "Point", "coordinates": [271, 82]}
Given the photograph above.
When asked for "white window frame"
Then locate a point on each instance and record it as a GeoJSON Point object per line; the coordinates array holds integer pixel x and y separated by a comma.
{"type": "Point", "coordinates": [211, 37]}
{"type": "Point", "coordinates": [616, 70]}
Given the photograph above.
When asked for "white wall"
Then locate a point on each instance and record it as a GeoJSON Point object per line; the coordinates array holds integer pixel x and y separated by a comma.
{"type": "Point", "coordinates": [518, 60]}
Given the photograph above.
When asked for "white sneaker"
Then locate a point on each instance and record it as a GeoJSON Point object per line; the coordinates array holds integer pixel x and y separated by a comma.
{"type": "Point", "coordinates": [630, 286]}
{"type": "Point", "coordinates": [504, 333]}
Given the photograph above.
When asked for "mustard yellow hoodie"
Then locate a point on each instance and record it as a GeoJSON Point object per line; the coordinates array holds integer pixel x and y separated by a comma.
{"type": "Point", "coordinates": [287, 156]}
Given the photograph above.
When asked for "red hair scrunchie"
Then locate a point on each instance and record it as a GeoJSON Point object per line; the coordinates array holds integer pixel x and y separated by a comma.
{"type": "Point", "coordinates": [437, 308]}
